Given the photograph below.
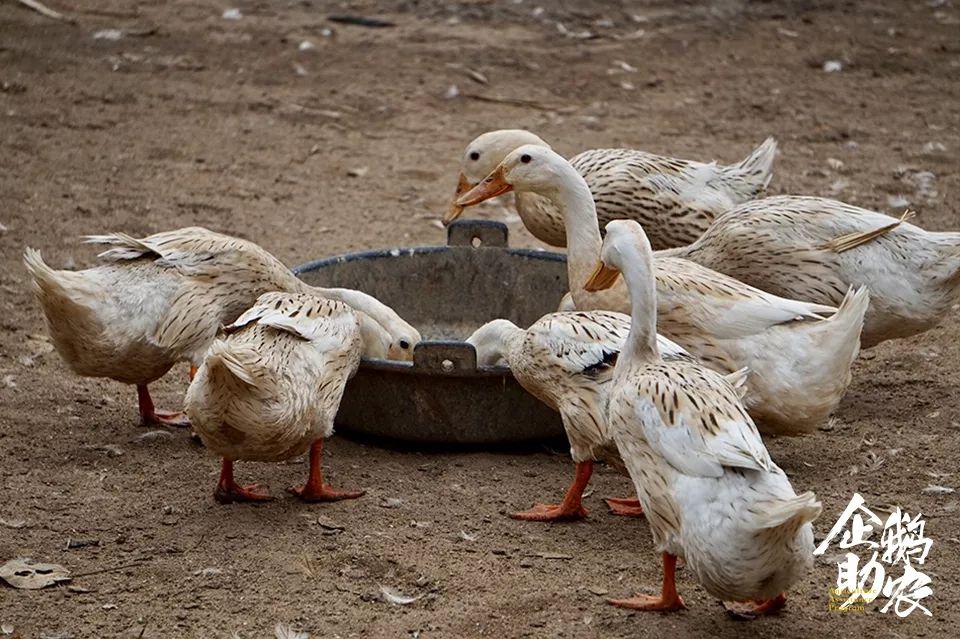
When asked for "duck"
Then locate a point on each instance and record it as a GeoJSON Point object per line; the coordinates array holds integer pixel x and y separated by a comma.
{"type": "Point", "coordinates": [711, 493]}
{"type": "Point", "coordinates": [270, 386]}
{"type": "Point", "coordinates": [815, 249]}
{"type": "Point", "coordinates": [160, 300]}
{"type": "Point", "coordinates": [566, 361]}
{"type": "Point", "coordinates": [674, 199]}
{"type": "Point", "coordinates": [798, 353]}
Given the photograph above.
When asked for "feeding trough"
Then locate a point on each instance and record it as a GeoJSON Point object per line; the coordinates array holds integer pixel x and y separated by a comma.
{"type": "Point", "coordinates": [447, 292]}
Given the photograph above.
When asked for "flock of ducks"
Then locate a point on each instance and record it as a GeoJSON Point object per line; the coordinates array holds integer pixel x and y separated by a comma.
{"type": "Point", "coordinates": [762, 306]}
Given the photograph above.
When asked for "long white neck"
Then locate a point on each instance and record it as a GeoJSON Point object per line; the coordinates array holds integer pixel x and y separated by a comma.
{"type": "Point", "coordinates": [572, 196]}
{"type": "Point", "coordinates": [637, 269]}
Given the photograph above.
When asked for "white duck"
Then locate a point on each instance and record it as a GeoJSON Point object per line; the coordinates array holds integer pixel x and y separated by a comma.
{"type": "Point", "coordinates": [815, 249]}
{"type": "Point", "coordinates": [271, 388]}
{"type": "Point", "coordinates": [799, 363]}
{"type": "Point", "coordinates": [160, 300]}
{"type": "Point", "coordinates": [674, 199]}
{"type": "Point", "coordinates": [566, 361]}
{"type": "Point", "coordinates": [708, 487]}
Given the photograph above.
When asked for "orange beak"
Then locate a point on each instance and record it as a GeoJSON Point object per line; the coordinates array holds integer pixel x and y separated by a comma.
{"type": "Point", "coordinates": [602, 278]}
{"type": "Point", "coordinates": [463, 185]}
{"type": "Point", "coordinates": [493, 185]}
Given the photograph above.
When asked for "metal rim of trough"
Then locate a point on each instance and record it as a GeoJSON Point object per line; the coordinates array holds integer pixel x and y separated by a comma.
{"type": "Point", "coordinates": [431, 400]}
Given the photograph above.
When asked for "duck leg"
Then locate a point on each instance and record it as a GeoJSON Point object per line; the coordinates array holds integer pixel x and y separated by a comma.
{"type": "Point", "coordinates": [149, 416]}
{"type": "Point", "coordinates": [229, 491]}
{"type": "Point", "coordinates": [668, 599]}
{"type": "Point", "coordinates": [315, 489]}
{"type": "Point", "coordinates": [754, 609]}
{"type": "Point", "coordinates": [624, 507]}
{"type": "Point", "coordinates": [572, 506]}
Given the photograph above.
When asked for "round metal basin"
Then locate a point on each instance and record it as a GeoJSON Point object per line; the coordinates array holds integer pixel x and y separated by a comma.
{"type": "Point", "coordinates": [447, 292]}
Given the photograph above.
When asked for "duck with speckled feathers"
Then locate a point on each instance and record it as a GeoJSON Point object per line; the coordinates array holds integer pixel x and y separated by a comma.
{"type": "Point", "coordinates": [675, 199]}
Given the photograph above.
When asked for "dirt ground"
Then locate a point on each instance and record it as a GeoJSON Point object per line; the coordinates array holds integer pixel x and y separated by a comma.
{"type": "Point", "coordinates": [192, 119]}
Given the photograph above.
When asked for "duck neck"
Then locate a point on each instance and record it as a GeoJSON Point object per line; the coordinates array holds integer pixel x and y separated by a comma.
{"type": "Point", "coordinates": [641, 344]}
{"type": "Point", "coordinates": [575, 202]}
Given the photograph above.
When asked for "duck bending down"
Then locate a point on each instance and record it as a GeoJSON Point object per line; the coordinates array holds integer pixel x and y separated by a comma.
{"type": "Point", "coordinates": [816, 249]}
{"type": "Point", "coordinates": [566, 361]}
{"type": "Point", "coordinates": [161, 299]}
{"type": "Point", "coordinates": [799, 362]}
{"type": "Point", "coordinates": [271, 387]}
{"type": "Point", "coordinates": [674, 199]}
{"type": "Point", "coordinates": [705, 480]}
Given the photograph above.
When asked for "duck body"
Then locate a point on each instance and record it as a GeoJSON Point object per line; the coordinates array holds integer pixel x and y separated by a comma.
{"type": "Point", "coordinates": [566, 361]}
{"type": "Point", "coordinates": [273, 384]}
{"type": "Point", "coordinates": [160, 300]}
{"type": "Point", "coordinates": [271, 387]}
{"type": "Point", "coordinates": [710, 492]}
{"type": "Point", "coordinates": [816, 249]}
{"type": "Point", "coordinates": [675, 199]}
{"type": "Point", "coordinates": [709, 489]}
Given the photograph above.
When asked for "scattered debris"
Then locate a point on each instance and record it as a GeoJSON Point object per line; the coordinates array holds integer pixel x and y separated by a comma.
{"type": "Point", "coordinates": [835, 164]}
{"type": "Point", "coordinates": [358, 172]}
{"type": "Point", "coordinates": [477, 77]}
{"type": "Point", "coordinates": [496, 99]}
{"type": "Point", "coordinates": [787, 32]}
{"type": "Point", "coordinates": [299, 69]}
{"type": "Point", "coordinates": [207, 572]}
{"type": "Point", "coordinates": [832, 66]}
{"type": "Point", "coordinates": [936, 489]}
{"type": "Point", "coordinates": [24, 574]}
{"type": "Point", "coordinates": [391, 502]}
{"type": "Point", "coordinates": [577, 35]}
{"type": "Point", "coordinates": [897, 201]}
{"type": "Point", "coordinates": [110, 449]}
{"type": "Point", "coordinates": [597, 590]}
{"type": "Point", "coordinates": [45, 10]}
{"type": "Point", "coordinates": [328, 524]}
{"type": "Point", "coordinates": [468, 537]}
{"type": "Point", "coordinates": [153, 435]}
{"type": "Point", "coordinates": [452, 92]}
{"type": "Point", "coordinates": [393, 596]}
{"type": "Point", "coordinates": [3, 227]}
{"type": "Point", "coordinates": [306, 45]}
{"type": "Point", "coordinates": [625, 66]}
{"type": "Point", "coordinates": [108, 34]}
{"type": "Point", "coordinates": [109, 606]}
{"type": "Point", "coordinates": [13, 523]}
{"type": "Point", "coordinates": [360, 21]}
{"type": "Point", "coordinates": [934, 147]}
{"type": "Point", "coordinates": [232, 14]}
{"type": "Point", "coordinates": [6, 628]}
{"type": "Point", "coordinates": [79, 590]}
{"type": "Point", "coordinates": [81, 543]}
{"type": "Point", "coordinates": [282, 631]}
{"type": "Point", "coordinates": [8, 381]}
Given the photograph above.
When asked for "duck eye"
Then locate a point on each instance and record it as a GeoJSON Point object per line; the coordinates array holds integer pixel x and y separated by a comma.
{"type": "Point", "coordinates": [404, 344]}
{"type": "Point", "coordinates": [475, 155]}
{"type": "Point", "coordinates": [525, 158]}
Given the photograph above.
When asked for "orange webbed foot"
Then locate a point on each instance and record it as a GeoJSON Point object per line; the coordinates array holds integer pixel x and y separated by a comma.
{"type": "Point", "coordinates": [624, 507]}
{"type": "Point", "coordinates": [649, 603]}
{"type": "Point", "coordinates": [310, 493]}
{"type": "Point", "coordinates": [551, 512]}
{"type": "Point", "coordinates": [753, 609]}
{"type": "Point", "coordinates": [237, 494]}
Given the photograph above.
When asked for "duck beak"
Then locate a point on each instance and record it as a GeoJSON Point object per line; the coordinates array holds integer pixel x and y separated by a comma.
{"type": "Point", "coordinates": [493, 185]}
{"type": "Point", "coordinates": [463, 185]}
{"type": "Point", "coordinates": [602, 278]}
